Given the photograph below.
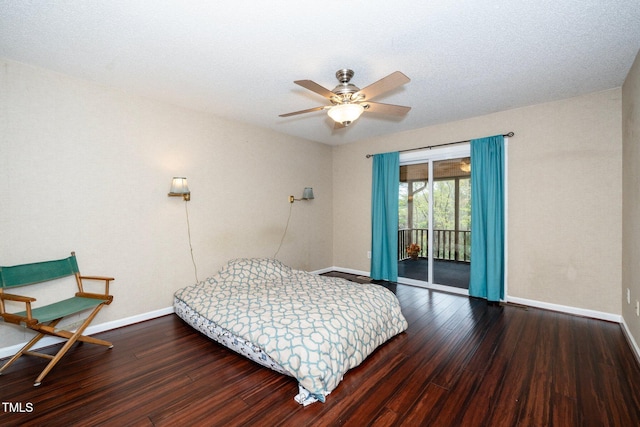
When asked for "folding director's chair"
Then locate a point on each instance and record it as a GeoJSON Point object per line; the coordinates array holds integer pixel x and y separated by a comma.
{"type": "Point", "coordinates": [44, 319]}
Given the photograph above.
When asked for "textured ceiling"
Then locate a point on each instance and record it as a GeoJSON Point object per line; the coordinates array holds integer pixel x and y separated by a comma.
{"type": "Point", "coordinates": [239, 59]}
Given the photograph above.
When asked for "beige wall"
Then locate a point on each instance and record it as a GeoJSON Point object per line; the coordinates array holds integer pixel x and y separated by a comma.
{"type": "Point", "coordinates": [631, 198]}
{"type": "Point", "coordinates": [87, 168]}
{"type": "Point", "coordinates": [564, 201]}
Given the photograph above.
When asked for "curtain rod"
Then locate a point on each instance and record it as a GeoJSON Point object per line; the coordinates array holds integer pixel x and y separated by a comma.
{"type": "Point", "coordinates": [510, 134]}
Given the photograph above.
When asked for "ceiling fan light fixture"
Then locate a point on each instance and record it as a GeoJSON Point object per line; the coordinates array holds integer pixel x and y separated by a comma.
{"type": "Point", "coordinates": [349, 102]}
{"type": "Point", "coordinates": [345, 113]}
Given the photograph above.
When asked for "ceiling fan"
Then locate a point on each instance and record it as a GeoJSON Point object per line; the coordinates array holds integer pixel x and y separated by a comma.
{"type": "Point", "coordinates": [348, 101]}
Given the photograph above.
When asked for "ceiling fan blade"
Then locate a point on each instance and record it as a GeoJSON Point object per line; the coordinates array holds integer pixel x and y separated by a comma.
{"type": "Point", "coordinates": [303, 111]}
{"type": "Point", "coordinates": [383, 85]}
{"type": "Point", "coordinates": [390, 109]}
{"type": "Point", "coordinates": [315, 87]}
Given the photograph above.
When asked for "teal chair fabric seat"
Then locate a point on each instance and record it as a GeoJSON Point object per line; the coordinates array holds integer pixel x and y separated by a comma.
{"type": "Point", "coordinates": [60, 309]}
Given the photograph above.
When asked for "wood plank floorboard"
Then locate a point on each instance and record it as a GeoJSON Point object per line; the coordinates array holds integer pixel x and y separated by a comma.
{"type": "Point", "coordinates": [462, 362]}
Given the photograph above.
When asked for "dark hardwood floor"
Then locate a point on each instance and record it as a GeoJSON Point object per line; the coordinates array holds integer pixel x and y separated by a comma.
{"type": "Point", "coordinates": [460, 363]}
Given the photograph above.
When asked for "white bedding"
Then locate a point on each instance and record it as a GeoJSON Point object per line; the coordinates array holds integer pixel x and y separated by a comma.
{"type": "Point", "coordinates": [314, 328]}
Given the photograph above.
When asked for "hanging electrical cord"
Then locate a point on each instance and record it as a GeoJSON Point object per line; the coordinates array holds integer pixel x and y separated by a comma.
{"type": "Point", "coordinates": [285, 230]}
{"type": "Point", "coordinates": [195, 268]}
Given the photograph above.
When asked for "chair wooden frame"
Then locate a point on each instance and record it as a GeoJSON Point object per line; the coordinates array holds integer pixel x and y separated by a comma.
{"type": "Point", "coordinates": [44, 319]}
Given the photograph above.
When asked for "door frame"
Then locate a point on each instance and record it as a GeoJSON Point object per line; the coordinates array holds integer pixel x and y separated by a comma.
{"type": "Point", "coordinates": [449, 152]}
{"type": "Point", "coordinates": [429, 156]}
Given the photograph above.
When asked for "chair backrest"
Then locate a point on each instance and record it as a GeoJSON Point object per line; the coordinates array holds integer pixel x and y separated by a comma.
{"type": "Point", "coordinates": [28, 274]}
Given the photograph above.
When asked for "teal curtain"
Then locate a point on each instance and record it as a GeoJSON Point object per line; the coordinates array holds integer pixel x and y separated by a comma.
{"type": "Point", "coordinates": [384, 216]}
{"type": "Point", "coordinates": [487, 213]}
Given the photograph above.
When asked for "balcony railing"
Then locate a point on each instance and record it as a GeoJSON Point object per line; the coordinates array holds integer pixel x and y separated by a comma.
{"type": "Point", "coordinates": [449, 245]}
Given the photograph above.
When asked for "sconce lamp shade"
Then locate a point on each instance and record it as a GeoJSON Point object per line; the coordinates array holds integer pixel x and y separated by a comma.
{"type": "Point", "coordinates": [345, 113]}
{"type": "Point", "coordinates": [179, 187]}
{"type": "Point", "coordinates": [307, 194]}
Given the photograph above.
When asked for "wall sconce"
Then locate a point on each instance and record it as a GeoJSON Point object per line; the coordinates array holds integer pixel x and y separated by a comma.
{"type": "Point", "coordinates": [307, 194]}
{"type": "Point", "coordinates": [179, 187]}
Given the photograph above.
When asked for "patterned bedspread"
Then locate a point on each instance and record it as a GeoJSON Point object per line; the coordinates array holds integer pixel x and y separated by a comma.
{"type": "Point", "coordinates": [314, 327]}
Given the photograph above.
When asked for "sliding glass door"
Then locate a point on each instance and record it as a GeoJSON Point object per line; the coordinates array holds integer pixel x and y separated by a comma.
{"type": "Point", "coordinates": [434, 237]}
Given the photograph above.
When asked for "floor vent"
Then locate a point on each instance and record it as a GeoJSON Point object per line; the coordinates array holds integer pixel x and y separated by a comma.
{"type": "Point", "coordinates": [514, 305]}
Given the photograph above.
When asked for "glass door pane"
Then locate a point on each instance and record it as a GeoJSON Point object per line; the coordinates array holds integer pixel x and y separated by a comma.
{"type": "Point", "coordinates": [452, 222]}
{"type": "Point", "coordinates": [435, 221]}
{"type": "Point", "coordinates": [413, 227]}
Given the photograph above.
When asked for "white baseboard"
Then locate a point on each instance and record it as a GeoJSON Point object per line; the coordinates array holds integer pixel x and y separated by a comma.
{"type": "Point", "coordinates": [322, 270]}
{"type": "Point", "coordinates": [523, 301]}
{"type": "Point", "coordinates": [630, 340]}
{"type": "Point", "coordinates": [114, 324]}
{"type": "Point", "coordinates": [107, 326]}
{"type": "Point", "coordinates": [349, 271]}
{"type": "Point", "coordinates": [567, 309]}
